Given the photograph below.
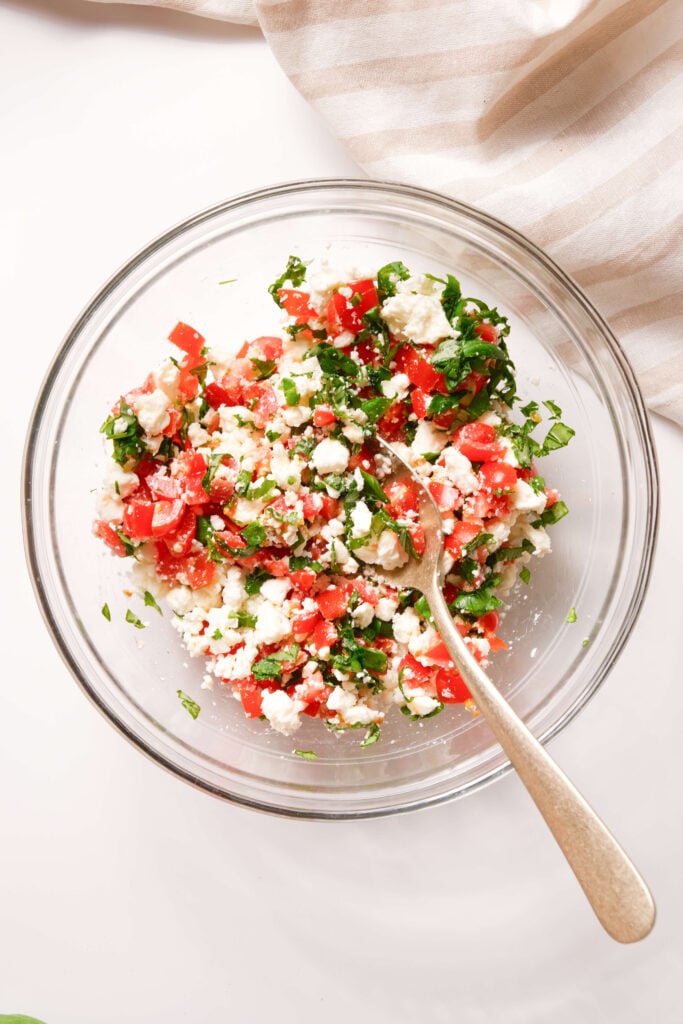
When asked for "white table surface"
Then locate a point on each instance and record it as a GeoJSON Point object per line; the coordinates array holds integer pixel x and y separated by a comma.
{"type": "Point", "coordinates": [126, 896]}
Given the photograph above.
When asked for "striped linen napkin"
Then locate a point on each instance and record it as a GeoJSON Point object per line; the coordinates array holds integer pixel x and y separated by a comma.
{"type": "Point", "coordinates": [561, 117]}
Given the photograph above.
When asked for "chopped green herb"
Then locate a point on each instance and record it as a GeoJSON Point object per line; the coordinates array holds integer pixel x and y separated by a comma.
{"type": "Point", "coordinates": [126, 435]}
{"type": "Point", "coordinates": [333, 361]}
{"type": "Point", "coordinates": [388, 277]}
{"type": "Point", "coordinates": [571, 615]}
{"type": "Point", "coordinates": [294, 272]}
{"type": "Point", "coordinates": [151, 603]}
{"type": "Point", "coordinates": [373, 488]}
{"type": "Point", "coordinates": [308, 755]}
{"type": "Point", "coordinates": [524, 574]}
{"type": "Point", "coordinates": [372, 735]}
{"type": "Point", "coordinates": [244, 619]}
{"type": "Point", "coordinates": [264, 368]}
{"type": "Point", "coordinates": [106, 612]}
{"type": "Point", "coordinates": [134, 620]}
{"type": "Point", "coordinates": [190, 706]}
{"type": "Point", "coordinates": [289, 390]}
{"type": "Point", "coordinates": [374, 408]}
{"type": "Point", "coordinates": [552, 515]}
{"type": "Point", "coordinates": [216, 635]}
{"type": "Point", "coordinates": [230, 280]}
{"type": "Point", "coordinates": [585, 642]}
{"type": "Point", "coordinates": [255, 581]}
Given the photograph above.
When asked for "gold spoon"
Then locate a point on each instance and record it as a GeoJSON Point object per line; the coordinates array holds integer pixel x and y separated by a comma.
{"type": "Point", "coordinates": [614, 888]}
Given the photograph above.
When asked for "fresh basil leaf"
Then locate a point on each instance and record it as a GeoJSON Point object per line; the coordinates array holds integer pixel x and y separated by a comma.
{"type": "Point", "coordinates": [558, 436]}
{"type": "Point", "coordinates": [308, 755]}
{"type": "Point", "coordinates": [375, 408]}
{"type": "Point", "coordinates": [151, 603]}
{"type": "Point", "coordinates": [255, 581]}
{"type": "Point", "coordinates": [190, 705]}
{"type": "Point", "coordinates": [450, 297]}
{"type": "Point", "coordinates": [571, 615]}
{"type": "Point", "coordinates": [525, 574]}
{"type": "Point", "coordinates": [333, 361]}
{"type": "Point", "coordinates": [264, 368]}
{"type": "Point", "coordinates": [254, 534]}
{"type": "Point", "coordinates": [373, 488]}
{"type": "Point", "coordinates": [387, 278]}
{"type": "Point", "coordinates": [134, 620]}
{"type": "Point", "coordinates": [554, 409]}
{"type": "Point", "coordinates": [244, 620]}
{"type": "Point", "coordinates": [106, 612]}
{"type": "Point", "coordinates": [552, 515]}
{"type": "Point", "coordinates": [372, 735]}
{"type": "Point", "coordinates": [294, 272]}
{"type": "Point", "coordinates": [289, 390]}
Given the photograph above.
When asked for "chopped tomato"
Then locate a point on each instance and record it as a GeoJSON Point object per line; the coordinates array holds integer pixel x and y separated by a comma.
{"type": "Point", "coordinates": [487, 332]}
{"type": "Point", "coordinates": [419, 539]}
{"type": "Point", "coordinates": [451, 687]}
{"type": "Point", "coordinates": [420, 401]}
{"type": "Point", "coordinates": [487, 505]}
{"type": "Point", "coordinates": [325, 634]}
{"type": "Point", "coordinates": [197, 569]}
{"type": "Point", "coordinates": [367, 353]}
{"type": "Point", "coordinates": [331, 506]}
{"type": "Point", "coordinates": [161, 485]}
{"type": "Point", "coordinates": [190, 471]}
{"type": "Point", "coordinates": [551, 496]}
{"type": "Point", "coordinates": [265, 348]}
{"type": "Point", "coordinates": [303, 579]}
{"type": "Point", "coordinates": [346, 314]}
{"type": "Point", "coordinates": [439, 654]}
{"type": "Point", "coordinates": [392, 424]}
{"type": "Point", "coordinates": [463, 532]}
{"type": "Point", "coordinates": [497, 476]}
{"type": "Point", "coordinates": [361, 459]}
{"type": "Point", "coordinates": [261, 399]}
{"type": "Point", "coordinates": [251, 696]}
{"type": "Point", "coordinates": [175, 421]}
{"type": "Point", "coordinates": [166, 516]}
{"type": "Point", "coordinates": [137, 519]}
{"type": "Point", "coordinates": [367, 592]}
{"type": "Point", "coordinates": [106, 533]}
{"type": "Point", "coordinates": [297, 303]}
{"type": "Point", "coordinates": [447, 497]}
{"type": "Point", "coordinates": [478, 442]}
{"type": "Point", "coordinates": [304, 624]}
{"type": "Point", "coordinates": [217, 394]}
{"type": "Point", "coordinates": [179, 541]}
{"type": "Point", "coordinates": [413, 672]}
{"type": "Point", "coordinates": [489, 622]}
{"type": "Point", "coordinates": [420, 371]}
{"type": "Point", "coordinates": [333, 602]}
{"type": "Point", "coordinates": [403, 499]}
{"type": "Point", "coordinates": [187, 339]}
{"type": "Point", "coordinates": [323, 416]}
{"type": "Point", "coordinates": [312, 505]}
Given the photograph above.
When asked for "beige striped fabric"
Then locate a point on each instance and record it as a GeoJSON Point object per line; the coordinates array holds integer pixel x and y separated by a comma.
{"type": "Point", "coordinates": [561, 117]}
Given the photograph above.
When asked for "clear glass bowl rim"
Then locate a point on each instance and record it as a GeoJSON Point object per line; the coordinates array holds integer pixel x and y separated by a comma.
{"type": "Point", "coordinates": [293, 188]}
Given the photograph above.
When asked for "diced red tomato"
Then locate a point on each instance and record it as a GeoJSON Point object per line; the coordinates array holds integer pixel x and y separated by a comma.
{"type": "Point", "coordinates": [392, 424]}
{"type": "Point", "coordinates": [420, 401]}
{"type": "Point", "coordinates": [161, 485]}
{"type": "Point", "coordinates": [187, 339]}
{"type": "Point", "coordinates": [179, 542]}
{"type": "Point", "coordinates": [323, 416]}
{"type": "Point", "coordinates": [325, 634]}
{"type": "Point", "coordinates": [347, 314]}
{"type": "Point", "coordinates": [166, 516]}
{"type": "Point", "coordinates": [403, 499]}
{"type": "Point", "coordinates": [312, 505]}
{"type": "Point", "coordinates": [333, 602]}
{"type": "Point", "coordinates": [331, 506]}
{"type": "Point", "coordinates": [420, 371]}
{"type": "Point", "coordinates": [265, 348]}
{"type": "Point", "coordinates": [447, 497]}
{"type": "Point", "coordinates": [190, 471]}
{"type": "Point", "coordinates": [221, 490]}
{"type": "Point", "coordinates": [305, 623]}
{"type": "Point", "coordinates": [413, 672]}
{"type": "Point", "coordinates": [175, 420]}
{"type": "Point", "coordinates": [297, 303]}
{"type": "Point", "coordinates": [489, 622]}
{"type": "Point", "coordinates": [261, 399]}
{"type": "Point", "coordinates": [478, 442]}
{"type": "Point", "coordinates": [497, 476]}
{"type": "Point", "coordinates": [551, 496]}
{"type": "Point", "coordinates": [367, 592]}
{"type": "Point", "coordinates": [361, 459]}
{"type": "Point", "coordinates": [419, 539]}
{"type": "Point", "coordinates": [450, 687]}
{"type": "Point", "coordinates": [278, 567]}
{"type": "Point", "coordinates": [463, 532]}
{"type": "Point", "coordinates": [197, 569]}
{"type": "Point", "coordinates": [487, 332]}
{"type": "Point", "coordinates": [137, 519]}
{"type": "Point", "coordinates": [251, 696]}
{"type": "Point", "coordinates": [106, 533]}
{"type": "Point", "coordinates": [303, 579]}
{"type": "Point", "coordinates": [487, 505]}
{"type": "Point", "coordinates": [439, 654]}
{"type": "Point", "coordinates": [218, 395]}
{"type": "Point", "coordinates": [367, 353]}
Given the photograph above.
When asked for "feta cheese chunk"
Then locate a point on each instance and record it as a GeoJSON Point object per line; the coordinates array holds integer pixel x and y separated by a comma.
{"type": "Point", "coordinates": [330, 457]}
{"type": "Point", "coordinates": [418, 317]}
{"type": "Point", "coordinates": [152, 412]}
{"type": "Point", "coordinates": [282, 711]}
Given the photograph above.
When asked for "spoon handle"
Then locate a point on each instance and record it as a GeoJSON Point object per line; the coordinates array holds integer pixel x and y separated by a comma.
{"type": "Point", "coordinates": [614, 888]}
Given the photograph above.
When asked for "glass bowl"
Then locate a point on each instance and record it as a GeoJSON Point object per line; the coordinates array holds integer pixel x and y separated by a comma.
{"type": "Point", "coordinates": [563, 350]}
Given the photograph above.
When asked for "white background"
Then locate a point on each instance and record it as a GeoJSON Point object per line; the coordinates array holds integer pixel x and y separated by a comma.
{"type": "Point", "coordinates": [125, 896]}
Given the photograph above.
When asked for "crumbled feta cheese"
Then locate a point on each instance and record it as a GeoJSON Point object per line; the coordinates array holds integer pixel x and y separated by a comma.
{"type": "Point", "coordinates": [407, 624]}
{"type": "Point", "coordinates": [295, 415]}
{"type": "Point", "coordinates": [330, 457]}
{"type": "Point", "coordinates": [386, 608]}
{"type": "Point", "coordinates": [420, 284]}
{"type": "Point", "coordinates": [282, 711]}
{"type": "Point", "coordinates": [167, 377]}
{"type": "Point", "coordinates": [285, 471]}
{"type": "Point", "coordinates": [354, 433]}
{"type": "Point", "coordinates": [396, 387]}
{"type": "Point", "coordinates": [418, 317]}
{"type": "Point", "coordinates": [152, 412]}
{"type": "Point", "coordinates": [363, 614]}
{"type": "Point", "coordinates": [428, 438]}
{"type": "Point", "coordinates": [526, 499]}
{"type": "Point", "coordinates": [459, 471]}
{"type": "Point", "coordinates": [276, 590]}
{"type": "Point", "coordinates": [361, 517]}
{"type": "Point", "coordinates": [197, 435]}
{"type": "Point", "coordinates": [344, 339]}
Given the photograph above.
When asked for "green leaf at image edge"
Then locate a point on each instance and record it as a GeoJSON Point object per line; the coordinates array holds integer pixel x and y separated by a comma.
{"type": "Point", "coordinates": [18, 1018]}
